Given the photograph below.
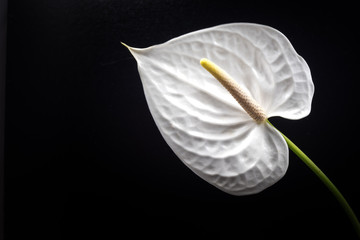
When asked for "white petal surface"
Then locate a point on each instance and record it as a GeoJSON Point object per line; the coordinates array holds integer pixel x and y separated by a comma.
{"type": "Point", "coordinates": [200, 120]}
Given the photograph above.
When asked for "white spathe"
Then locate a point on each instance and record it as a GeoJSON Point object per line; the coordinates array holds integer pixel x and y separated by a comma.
{"type": "Point", "coordinates": [203, 124]}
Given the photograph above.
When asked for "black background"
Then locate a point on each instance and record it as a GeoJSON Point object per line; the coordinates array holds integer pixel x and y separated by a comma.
{"type": "Point", "coordinates": [83, 157]}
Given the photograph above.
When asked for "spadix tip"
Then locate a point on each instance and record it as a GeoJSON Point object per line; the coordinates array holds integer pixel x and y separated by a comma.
{"type": "Point", "coordinates": [203, 61]}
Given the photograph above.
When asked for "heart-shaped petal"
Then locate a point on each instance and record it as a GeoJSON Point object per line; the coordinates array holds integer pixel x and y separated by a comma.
{"type": "Point", "coordinates": [201, 121]}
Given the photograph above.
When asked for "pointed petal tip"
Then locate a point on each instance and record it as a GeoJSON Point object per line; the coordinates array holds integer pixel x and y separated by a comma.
{"type": "Point", "coordinates": [128, 47]}
{"type": "Point", "coordinates": [132, 49]}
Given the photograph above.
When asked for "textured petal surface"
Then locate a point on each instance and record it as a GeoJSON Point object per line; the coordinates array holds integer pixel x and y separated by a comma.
{"type": "Point", "coordinates": [201, 121]}
{"type": "Point", "coordinates": [259, 57]}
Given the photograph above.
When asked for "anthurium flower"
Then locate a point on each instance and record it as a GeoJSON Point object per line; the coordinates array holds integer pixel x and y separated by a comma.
{"type": "Point", "coordinates": [220, 129]}
{"type": "Point", "coordinates": [213, 135]}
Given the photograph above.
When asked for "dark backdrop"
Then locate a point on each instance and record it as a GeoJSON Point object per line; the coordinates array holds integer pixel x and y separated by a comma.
{"type": "Point", "coordinates": [83, 157]}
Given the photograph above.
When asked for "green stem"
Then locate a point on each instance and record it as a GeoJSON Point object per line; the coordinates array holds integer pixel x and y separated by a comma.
{"type": "Point", "coordinates": [333, 189]}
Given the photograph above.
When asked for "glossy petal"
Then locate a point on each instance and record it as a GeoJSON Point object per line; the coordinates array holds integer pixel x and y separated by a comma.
{"type": "Point", "coordinates": [201, 121]}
